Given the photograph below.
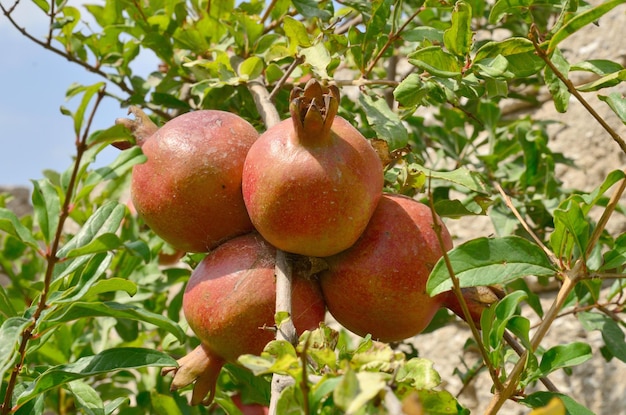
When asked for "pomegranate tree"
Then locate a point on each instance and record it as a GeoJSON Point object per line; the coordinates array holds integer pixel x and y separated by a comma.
{"type": "Point", "coordinates": [312, 182]}
{"type": "Point", "coordinates": [378, 286]}
{"type": "Point", "coordinates": [189, 189]}
{"type": "Point", "coordinates": [229, 304]}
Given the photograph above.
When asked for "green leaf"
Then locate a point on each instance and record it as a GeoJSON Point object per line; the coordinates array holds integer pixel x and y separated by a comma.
{"type": "Point", "coordinates": [458, 38]}
{"type": "Point", "coordinates": [10, 335]}
{"type": "Point", "coordinates": [410, 91]}
{"type": "Point", "coordinates": [599, 67]}
{"type": "Point", "coordinates": [559, 91]}
{"type": "Point", "coordinates": [310, 8]}
{"type": "Point", "coordinates": [419, 373]}
{"type": "Point", "coordinates": [570, 226]}
{"type": "Point", "coordinates": [384, 121]}
{"type": "Point", "coordinates": [439, 402]}
{"type": "Point", "coordinates": [501, 315]}
{"type": "Point", "coordinates": [519, 53]}
{"type": "Point", "coordinates": [251, 68]}
{"type": "Point", "coordinates": [82, 310]}
{"type": "Point", "coordinates": [612, 333]}
{"type": "Point", "coordinates": [106, 219]}
{"type": "Point", "coordinates": [6, 307]}
{"type": "Point", "coordinates": [102, 243]}
{"type": "Point", "coordinates": [436, 61]}
{"type": "Point", "coordinates": [581, 20]}
{"type": "Point", "coordinates": [461, 176]}
{"type": "Point", "coordinates": [617, 102]}
{"type": "Point", "coordinates": [10, 224]}
{"type": "Point", "coordinates": [318, 57]}
{"type": "Point", "coordinates": [296, 33]}
{"type": "Point", "coordinates": [88, 93]}
{"type": "Point", "coordinates": [47, 208]}
{"type": "Point", "coordinates": [43, 5]}
{"type": "Point", "coordinates": [504, 7]}
{"type": "Point", "coordinates": [540, 399]}
{"type": "Point", "coordinates": [564, 355]}
{"type": "Point", "coordinates": [606, 81]}
{"type": "Point", "coordinates": [487, 261]}
{"type": "Point", "coordinates": [86, 398]}
{"type": "Point", "coordinates": [104, 362]}
{"type": "Point", "coordinates": [164, 404]}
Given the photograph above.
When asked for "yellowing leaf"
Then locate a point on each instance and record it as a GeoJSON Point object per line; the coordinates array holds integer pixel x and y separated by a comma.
{"type": "Point", "coordinates": [554, 407]}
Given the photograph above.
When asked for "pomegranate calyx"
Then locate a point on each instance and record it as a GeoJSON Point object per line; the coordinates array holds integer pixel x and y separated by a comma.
{"type": "Point", "coordinates": [141, 127]}
{"type": "Point", "coordinates": [313, 110]}
{"type": "Point", "coordinates": [200, 366]}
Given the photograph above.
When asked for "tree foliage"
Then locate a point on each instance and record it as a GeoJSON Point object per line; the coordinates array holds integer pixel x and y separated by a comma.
{"type": "Point", "coordinates": [92, 308]}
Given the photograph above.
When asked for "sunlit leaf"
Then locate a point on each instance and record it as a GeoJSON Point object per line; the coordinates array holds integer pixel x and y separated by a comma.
{"type": "Point", "coordinates": [519, 53]}
{"type": "Point", "coordinates": [10, 334]}
{"type": "Point", "coordinates": [581, 20]}
{"type": "Point", "coordinates": [488, 261]}
{"type": "Point", "coordinates": [104, 362]}
{"type": "Point", "coordinates": [82, 310]}
{"type": "Point", "coordinates": [106, 219]}
{"type": "Point", "coordinates": [458, 38]}
{"type": "Point", "coordinates": [554, 407]}
{"type": "Point", "coordinates": [436, 61]}
{"type": "Point", "coordinates": [542, 399]}
{"type": "Point", "coordinates": [504, 7]}
{"type": "Point", "coordinates": [617, 102]}
{"type": "Point", "coordinates": [559, 91]}
{"type": "Point", "coordinates": [10, 224]}
{"type": "Point", "coordinates": [564, 355]}
{"type": "Point", "coordinates": [47, 207]}
{"type": "Point", "coordinates": [384, 121]}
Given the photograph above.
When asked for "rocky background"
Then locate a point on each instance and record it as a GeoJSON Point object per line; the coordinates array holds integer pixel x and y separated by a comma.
{"type": "Point", "coordinates": [599, 385]}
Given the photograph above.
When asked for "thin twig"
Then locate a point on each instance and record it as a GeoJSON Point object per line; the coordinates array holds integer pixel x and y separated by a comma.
{"type": "Point", "coordinates": [509, 204]}
{"type": "Point", "coordinates": [297, 61]}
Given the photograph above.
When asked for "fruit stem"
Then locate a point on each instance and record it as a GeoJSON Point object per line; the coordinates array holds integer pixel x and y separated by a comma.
{"type": "Point", "coordinates": [200, 366]}
{"type": "Point", "coordinates": [313, 110]}
{"type": "Point", "coordinates": [141, 127]}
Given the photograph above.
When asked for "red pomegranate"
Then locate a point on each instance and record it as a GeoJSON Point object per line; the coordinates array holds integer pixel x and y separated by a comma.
{"type": "Point", "coordinates": [312, 182]}
{"type": "Point", "coordinates": [189, 189]}
{"type": "Point", "coordinates": [378, 286]}
{"type": "Point", "coordinates": [229, 303]}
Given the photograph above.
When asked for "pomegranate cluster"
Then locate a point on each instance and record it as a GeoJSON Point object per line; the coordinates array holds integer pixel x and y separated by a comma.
{"type": "Point", "coordinates": [311, 185]}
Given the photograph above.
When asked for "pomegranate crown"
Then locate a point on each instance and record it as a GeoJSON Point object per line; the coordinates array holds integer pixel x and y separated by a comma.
{"type": "Point", "coordinates": [313, 110]}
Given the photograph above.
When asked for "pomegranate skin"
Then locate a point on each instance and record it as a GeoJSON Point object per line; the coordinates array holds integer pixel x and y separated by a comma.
{"type": "Point", "coordinates": [378, 286]}
{"type": "Point", "coordinates": [229, 301]}
{"type": "Point", "coordinates": [189, 189]}
{"type": "Point", "coordinates": [312, 200]}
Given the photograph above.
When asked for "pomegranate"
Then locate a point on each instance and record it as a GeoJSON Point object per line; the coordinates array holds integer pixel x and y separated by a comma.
{"type": "Point", "coordinates": [312, 182]}
{"type": "Point", "coordinates": [229, 303]}
{"type": "Point", "coordinates": [476, 298]}
{"type": "Point", "coordinates": [189, 189]}
{"type": "Point", "coordinates": [378, 286]}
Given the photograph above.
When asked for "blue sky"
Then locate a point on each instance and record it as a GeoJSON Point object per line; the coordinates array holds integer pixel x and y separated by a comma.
{"type": "Point", "coordinates": [34, 135]}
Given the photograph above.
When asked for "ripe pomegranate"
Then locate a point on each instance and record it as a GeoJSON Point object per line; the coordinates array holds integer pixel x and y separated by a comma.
{"type": "Point", "coordinates": [189, 189]}
{"type": "Point", "coordinates": [378, 286]}
{"type": "Point", "coordinates": [229, 303]}
{"type": "Point", "coordinates": [312, 182]}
